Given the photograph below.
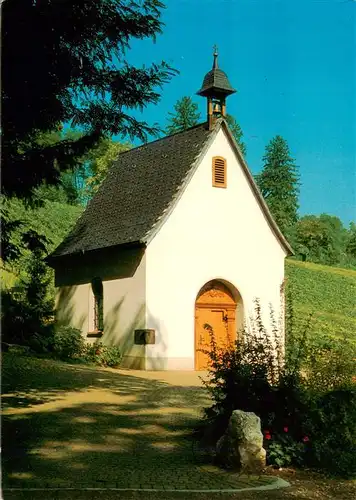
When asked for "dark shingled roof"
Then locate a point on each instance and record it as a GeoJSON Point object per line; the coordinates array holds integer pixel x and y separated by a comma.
{"type": "Point", "coordinates": [139, 187]}
{"type": "Point", "coordinates": [216, 81]}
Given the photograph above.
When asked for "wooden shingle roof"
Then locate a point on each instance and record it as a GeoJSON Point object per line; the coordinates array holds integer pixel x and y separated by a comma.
{"type": "Point", "coordinates": [142, 187]}
{"type": "Point", "coordinates": [216, 82]}
{"type": "Point", "coordinates": [138, 189]}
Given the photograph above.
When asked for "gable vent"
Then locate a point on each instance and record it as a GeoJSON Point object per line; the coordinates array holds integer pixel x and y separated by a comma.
{"type": "Point", "coordinates": [219, 172]}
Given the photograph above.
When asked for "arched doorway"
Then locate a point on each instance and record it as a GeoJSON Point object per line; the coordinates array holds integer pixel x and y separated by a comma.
{"type": "Point", "coordinates": [215, 306]}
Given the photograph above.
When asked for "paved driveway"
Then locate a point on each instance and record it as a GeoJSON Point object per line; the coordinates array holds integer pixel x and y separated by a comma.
{"type": "Point", "coordinates": [79, 427]}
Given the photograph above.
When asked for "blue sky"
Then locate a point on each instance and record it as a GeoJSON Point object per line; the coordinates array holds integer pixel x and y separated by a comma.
{"type": "Point", "coordinates": [293, 63]}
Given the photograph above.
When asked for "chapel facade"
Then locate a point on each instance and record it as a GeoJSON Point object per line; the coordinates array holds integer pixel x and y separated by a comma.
{"type": "Point", "coordinates": [177, 239]}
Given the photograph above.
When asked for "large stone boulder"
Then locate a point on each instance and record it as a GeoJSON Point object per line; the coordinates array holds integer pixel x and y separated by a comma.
{"type": "Point", "coordinates": [240, 448]}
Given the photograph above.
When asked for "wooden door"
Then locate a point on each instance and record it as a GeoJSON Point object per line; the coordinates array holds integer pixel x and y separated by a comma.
{"type": "Point", "coordinates": [216, 307]}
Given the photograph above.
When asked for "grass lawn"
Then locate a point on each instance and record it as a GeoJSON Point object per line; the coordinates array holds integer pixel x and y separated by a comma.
{"type": "Point", "coordinates": [83, 426]}
{"type": "Point", "coordinates": [326, 292]}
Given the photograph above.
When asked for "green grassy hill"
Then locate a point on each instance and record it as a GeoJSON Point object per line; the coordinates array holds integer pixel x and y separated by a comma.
{"type": "Point", "coordinates": [329, 293]}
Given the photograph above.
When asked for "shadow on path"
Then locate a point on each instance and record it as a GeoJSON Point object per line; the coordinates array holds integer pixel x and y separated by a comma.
{"type": "Point", "coordinates": [75, 426]}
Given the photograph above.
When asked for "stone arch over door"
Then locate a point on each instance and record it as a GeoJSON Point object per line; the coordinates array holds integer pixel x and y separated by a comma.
{"type": "Point", "coordinates": [218, 304]}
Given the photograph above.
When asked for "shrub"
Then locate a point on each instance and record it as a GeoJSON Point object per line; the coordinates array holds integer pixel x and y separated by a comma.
{"type": "Point", "coordinates": [15, 316]}
{"type": "Point", "coordinates": [22, 324]}
{"type": "Point", "coordinates": [102, 355]}
{"type": "Point", "coordinates": [334, 432]}
{"type": "Point", "coordinates": [283, 450]}
{"type": "Point", "coordinates": [309, 394]}
{"type": "Point", "coordinates": [329, 364]}
{"type": "Point", "coordinates": [249, 375]}
{"type": "Point", "coordinates": [68, 343]}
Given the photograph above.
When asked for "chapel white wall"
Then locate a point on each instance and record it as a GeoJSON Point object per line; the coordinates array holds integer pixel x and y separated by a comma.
{"type": "Point", "coordinates": [124, 312]}
{"type": "Point", "coordinates": [72, 306]}
{"type": "Point", "coordinates": [212, 233]}
{"type": "Point", "coordinates": [123, 274]}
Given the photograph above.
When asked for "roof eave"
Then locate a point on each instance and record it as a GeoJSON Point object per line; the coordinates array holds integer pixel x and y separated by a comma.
{"type": "Point", "coordinates": [204, 92]}
{"type": "Point", "coordinates": [53, 259]}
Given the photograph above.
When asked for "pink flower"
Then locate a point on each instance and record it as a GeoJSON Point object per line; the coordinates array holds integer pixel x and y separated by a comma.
{"type": "Point", "coordinates": [305, 439]}
{"type": "Point", "coordinates": [285, 429]}
{"type": "Point", "coordinates": [268, 436]}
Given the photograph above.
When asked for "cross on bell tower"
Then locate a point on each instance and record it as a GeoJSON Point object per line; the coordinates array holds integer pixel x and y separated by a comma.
{"type": "Point", "coordinates": [216, 87]}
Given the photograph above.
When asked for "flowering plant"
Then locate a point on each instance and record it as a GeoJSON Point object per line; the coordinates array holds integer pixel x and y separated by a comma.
{"type": "Point", "coordinates": [283, 450]}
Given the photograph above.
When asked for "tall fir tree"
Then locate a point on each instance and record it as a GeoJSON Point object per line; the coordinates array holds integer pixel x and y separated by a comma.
{"type": "Point", "coordinates": [279, 184]}
{"type": "Point", "coordinates": [186, 115]}
{"type": "Point", "coordinates": [236, 132]}
{"type": "Point", "coordinates": [72, 69]}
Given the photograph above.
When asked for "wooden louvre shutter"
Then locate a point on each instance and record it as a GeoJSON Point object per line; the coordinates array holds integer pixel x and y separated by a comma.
{"type": "Point", "coordinates": [219, 172]}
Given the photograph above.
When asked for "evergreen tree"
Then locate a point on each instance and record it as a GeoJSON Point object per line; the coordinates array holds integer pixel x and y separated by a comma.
{"type": "Point", "coordinates": [279, 184]}
{"type": "Point", "coordinates": [236, 132]}
{"type": "Point", "coordinates": [186, 115]}
{"type": "Point", "coordinates": [36, 284]}
{"type": "Point", "coordinates": [26, 319]}
{"type": "Point", "coordinates": [71, 69]}
{"type": "Point", "coordinates": [70, 186]}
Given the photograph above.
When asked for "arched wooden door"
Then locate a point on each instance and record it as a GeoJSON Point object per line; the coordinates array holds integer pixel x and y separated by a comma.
{"type": "Point", "coordinates": [216, 307]}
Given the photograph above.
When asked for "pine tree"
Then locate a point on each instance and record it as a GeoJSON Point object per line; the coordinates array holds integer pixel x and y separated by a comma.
{"type": "Point", "coordinates": [279, 184]}
{"type": "Point", "coordinates": [186, 115]}
{"type": "Point", "coordinates": [27, 319]}
{"type": "Point", "coordinates": [236, 132]}
{"type": "Point", "coordinates": [72, 69]}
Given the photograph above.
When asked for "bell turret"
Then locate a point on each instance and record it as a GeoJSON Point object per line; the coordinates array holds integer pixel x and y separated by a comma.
{"type": "Point", "coordinates": [216, 87]}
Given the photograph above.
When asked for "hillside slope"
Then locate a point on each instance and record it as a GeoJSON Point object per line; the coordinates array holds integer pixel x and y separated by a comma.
{"type": "Point", "coordinates": [53, 220]}
{"type": "Point", "coordinates": [329, 293]}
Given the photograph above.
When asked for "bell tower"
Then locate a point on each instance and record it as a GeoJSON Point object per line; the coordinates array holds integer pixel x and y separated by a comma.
{"type": "Point", "coordinates": [216, 87]}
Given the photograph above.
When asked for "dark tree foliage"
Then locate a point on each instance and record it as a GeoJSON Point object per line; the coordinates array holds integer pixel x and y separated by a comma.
{"type": "Point", "coordinates": [64, 61]}
{"type": "Point", "coordinates": [27, 319]}
{"type": "Point", "coordinates": [351, 241]}
{"type": "Point", "coordinates": [236, 132]}
{"type": "Point", "coordinates": [29, 238]}
{"type": "Point", "coordinates": [322, 239]}
{"type": "Point", "coordinates": [279, 184]}
{"type": "Point", "coordinates": [185, 115]}
{"type": "Point", "coordinates": [71, 181]}
{"type": "Point", "coordinates": [8, 250]}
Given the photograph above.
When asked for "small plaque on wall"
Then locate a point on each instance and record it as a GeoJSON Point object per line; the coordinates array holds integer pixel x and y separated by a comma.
{"type": "Point", "coordinates": [143, 337]}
